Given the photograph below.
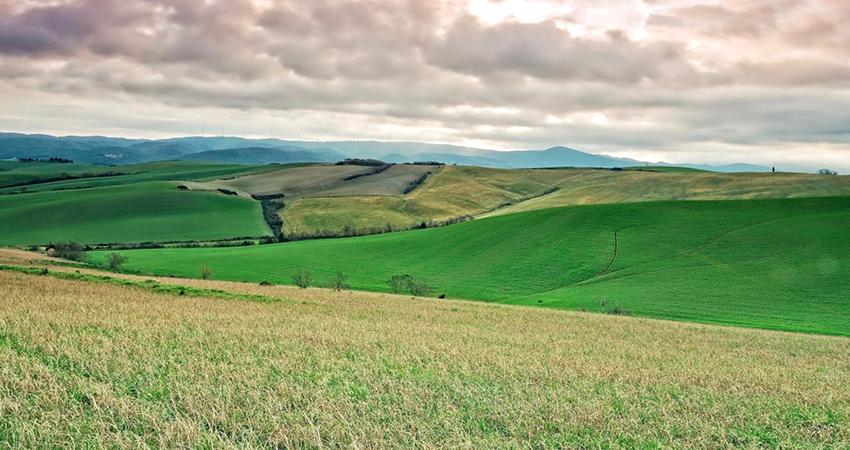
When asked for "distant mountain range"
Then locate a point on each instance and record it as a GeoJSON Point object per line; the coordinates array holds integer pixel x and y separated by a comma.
{"type": "Point", "coordinates": [116, 151]}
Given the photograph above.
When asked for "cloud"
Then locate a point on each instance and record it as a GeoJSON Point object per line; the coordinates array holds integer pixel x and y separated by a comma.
{"type": "Point", "coordinates": [667, 76]}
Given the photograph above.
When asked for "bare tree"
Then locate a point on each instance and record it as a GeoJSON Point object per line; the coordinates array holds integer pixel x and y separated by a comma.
{"type": "Point", "coordinates": [302, 278]}
{"type": "Point", "coordinates": [206, 272]}
{"type": "Point", "coordinates": [339, 281]}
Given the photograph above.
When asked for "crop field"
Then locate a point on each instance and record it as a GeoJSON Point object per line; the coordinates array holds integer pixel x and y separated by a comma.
{"type": "Point", "coordinates": [605, 186]}
{"type": "Point", "coordinates": [473, 191]}
{"type": "Point", "coordinates": [450, 192]}
{"type": "Point", "coordinates": [778, 264]}
{"type": "Point", "coordinates": [105, 365]}
{"type": "Point", "coordinates": [140, 212]}
{"type": "Point", "coordinates": [292, 180]}
{"type": "Point", "coordinates": [132, 173]}
{"type": "Point", "coordinates": [392, 181]}
{"type": "Point", "coordinates": [15, 173]}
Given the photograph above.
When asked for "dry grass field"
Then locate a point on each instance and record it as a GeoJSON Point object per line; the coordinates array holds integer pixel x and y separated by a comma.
{"type": "Point", "coordinates": [94, 364]}
{"type": "Point", "coordinates": [290, 180]}
{"type": "Point", "coordinates": [583, 187]}
{"type": "Point", "coordinates": [392, 181]}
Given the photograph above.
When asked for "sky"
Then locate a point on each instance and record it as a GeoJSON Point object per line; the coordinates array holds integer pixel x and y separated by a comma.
{"type": "Point", "coordinates": [716, 81]}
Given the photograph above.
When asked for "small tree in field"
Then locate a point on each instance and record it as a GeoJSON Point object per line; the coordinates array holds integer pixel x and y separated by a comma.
{"type": "Point", "coordinates": [68, 250]}
{"type": "Point", "coordinates": [115, 260]}
{"type": "Point", "coordinates": [419, 288]}
{"type": "Point", "coordinates": [339, 281]}
{"type": "Point", "coordinates": [206, 272]}
{"type": "Point", "coordinates": [302, 278]}
{"type": "Point", "coordinates": [399, 283]}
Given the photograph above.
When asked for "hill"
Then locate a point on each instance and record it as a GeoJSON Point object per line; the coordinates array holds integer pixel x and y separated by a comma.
{"type": "Point", "coordinates": [761, 263]}
{"type": "Point", "coordinates": [456, 191]}
{"type": "Point", "coordinates": [114, 363]}
{"type": "Point", "coordinates": [102, 150]}
{"type": "Point", "coordinates": [140, 212]}
{"type": "Point", "coordinates": [81, 176]}
{"type": "Point", "coordinates": [263, 155]}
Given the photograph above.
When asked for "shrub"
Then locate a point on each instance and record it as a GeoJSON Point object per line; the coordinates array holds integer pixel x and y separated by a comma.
{"type": "Point", "coordinates": [339, 282]}
{"type": "Point", "coordinates": [419, 288]}
{"type": "Point", "coordinates": [302, 278]}
{"type": "Point", "coordinates": [399, 283]}
{"type": "Point", "coordinates": [607, 307]}
{"type": "Point", "coordinates": [827, 172]}
{"type": "Point", "coordinates": [206, 272]}
{"type": "Point", "coordinates": [115, 260]}
{"type": "Point", "coordinates": [69, 250]}
{"type": "Point", "coordinates": [414, 286]}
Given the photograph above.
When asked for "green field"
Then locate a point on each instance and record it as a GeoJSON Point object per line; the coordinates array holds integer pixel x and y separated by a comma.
{"type": "Point", "coordinates": [779, 264]}
{"type": "Point", "coordinates": [139, 212]}
{"type": "Point", "coordinates": [132, 173]}
{"type": "Point", "coordinates": [455, 191]}
{"type": "Point", "coordinates": [15, 173]}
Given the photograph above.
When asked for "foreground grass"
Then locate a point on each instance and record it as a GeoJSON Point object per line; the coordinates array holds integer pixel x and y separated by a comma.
{"type": "Point", "coordinates": [103, 365]}
{"type": "Point", "coordinates": [777, 264]}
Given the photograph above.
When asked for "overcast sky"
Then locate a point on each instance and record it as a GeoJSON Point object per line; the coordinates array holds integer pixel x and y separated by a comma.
{"type": "Point", "coordinates": [765, 81]}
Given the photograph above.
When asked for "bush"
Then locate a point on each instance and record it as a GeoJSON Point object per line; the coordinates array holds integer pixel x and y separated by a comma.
{"type": "Point", "coordinates": [419, 288]}
{"type": "Point", "coordinates": [115, 260]}
{"type": "Point", "coordinates": [827, 172]}
{"type": "Point", "coordinates": [68, 250]}
{"type": "Point", "coordinates": [206, 272]}
{"type": "Point", "coordinates": [414, 286]}
{"type": "Point", "coordinates": [607, 307]}
{"type": "Point", "coordinates": [302, 278]}
{"type": "Point", "coordinates": [339, 282]}
{"type": "Point", "coordinates": [399, 283]}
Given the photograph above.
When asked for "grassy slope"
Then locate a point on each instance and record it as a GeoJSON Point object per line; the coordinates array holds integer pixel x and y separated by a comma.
{"type": "Point", "coordinates": [604, 186]}
{"type": "Point", "coordinates": [451, 192]}
{"type": "Point", "coordinates": [136, 173]}
{"type": "Point", "coordinates": [459, 191]}
{"type": "Point", "coordinates": [361, 370]}
{"type": "Point", "coordinates": [13, 172]}
{"type": "Point", "coordinates": [291, 180]}
{"type": "Point", "coordinates": [392, 181]}
{"type": "Point", "coordinates": [779, 264]}
{"type": "Point", "coordinates": [152, 211]}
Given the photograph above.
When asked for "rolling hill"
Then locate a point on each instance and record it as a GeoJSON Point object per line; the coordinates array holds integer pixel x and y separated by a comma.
{"type": "Point", "coordinates": [778, 264]}
{"type": "Point", "coordinates": [103, 150]}
{"type": "Point", "coordinates": [139, 212]}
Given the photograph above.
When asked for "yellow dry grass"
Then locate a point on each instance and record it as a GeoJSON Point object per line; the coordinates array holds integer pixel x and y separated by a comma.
{"type": "Point", "coordinates": [584, 186]}
{"type": "Point", "coordinates": [97, 365]}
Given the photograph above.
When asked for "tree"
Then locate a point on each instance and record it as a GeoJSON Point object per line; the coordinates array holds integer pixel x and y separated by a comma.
{"type": "Point", "coordinates": [68, 250]}
{"type": "Point", "coordinates": [827, 172]}
{"type": "Point", "coordinates": [399, 283]}
{"type": "Point", "coordinates": [206, 272]}
{"type": "Point", "coordinates": [302, 278]}
{"type": "Point", "coordinates": [419, 288]}
{"type": "Point", "coordinates": [339, 281]}
{"type": "Point", "coordinates": [115, 260]}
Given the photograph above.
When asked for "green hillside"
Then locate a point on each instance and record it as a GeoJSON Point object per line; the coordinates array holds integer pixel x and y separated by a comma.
{"type": "Point", "coordinates": [16, 173]}
{"type": "Point", "coordinates": [779, 264]}
{"type": "Point", "coordinates": [131, 173]}
{"type": "Point", "coordinates": [140, 212]}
